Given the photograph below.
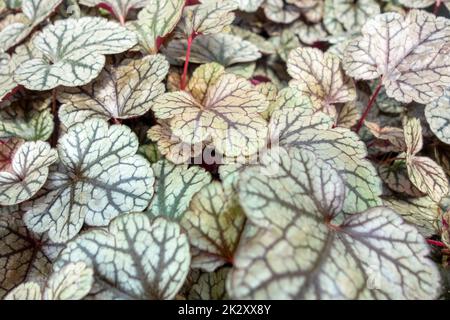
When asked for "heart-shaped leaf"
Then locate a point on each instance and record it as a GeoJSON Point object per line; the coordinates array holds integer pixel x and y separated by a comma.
{"type": "Point", "coordinates": [409, 53]}
{"type": "Point", "coordinates": [320, 76]}
{"type": "Point", "coordinates": [33, 13]}
{"type": "Point", "coordinates": [311, 251]}
{"type": "Point", "coordinates": [214, 223]}
{"type": "Point", "coordinates": [175, 186]}
{"type": "Point", "coordinates": [27, 171]}
{"type": "Point", "coordinates": [353, 14]}
{"type": "Point", "coordinates": [121, 92]}
{"type": "Point", "coordinates": [72, 282]}
{"type": "Point", "coordinates": [100, 177]}
{"type": "Point", "coordinates": [228, 115]}
{"type": "Point", "coordinates": [280, 12]}
{"type": "Point", "coordinates": [438, 117]}
{"type": "Point", "coordinates": [138, 257]}
{"type": "Point", "coordinates": [75, 50]}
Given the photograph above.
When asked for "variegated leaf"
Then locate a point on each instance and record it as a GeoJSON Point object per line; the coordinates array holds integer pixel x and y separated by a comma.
{"type": "Point", "coordinates": [280, 12]}
{"type": "Point", "coordinates": [119, 8]}
{"type": "Point", "coordinates": [210, 286]}
{"type": "Point", "coordinates": [409, 53]}
{"type": "Point", "coordinates": [100, 177]}
{"type": "Point", "coordinates": [137, 258]}
{"type": "Point", "coordinates": [310, 251]}
{"type": "Point", "coordinates": [175, 186]}
{"type": "Point", "coordinates": [75, 50]}
{"type": "Point", "coordinates": [438, 117]}
{"type": "Point", "coordinates": [27, 171]}
{"type": "Point", "coordinates": [121, 92]}
{"type": "Point", "coordinates": [214, 223]}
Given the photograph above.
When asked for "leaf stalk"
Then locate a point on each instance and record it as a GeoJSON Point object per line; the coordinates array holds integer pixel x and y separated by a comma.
{"type": "Point", "coordinates": [369, 106]}
{"type": "Point", "coordinates": [186, 61]}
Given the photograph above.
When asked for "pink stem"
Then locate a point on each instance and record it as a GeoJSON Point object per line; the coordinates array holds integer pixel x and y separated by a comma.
{"type": "Point", "coordinates": [369, 106]}
{"type": "Point", "coordinates": [436, 243]}
{"type": "Point", "coordinates": [186, 61]}
{"type": "Point", "coordinates": [437, 6]}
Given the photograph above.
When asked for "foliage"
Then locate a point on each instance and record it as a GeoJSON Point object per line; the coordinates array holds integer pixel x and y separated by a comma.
{"type": "Point", "coordinates": [224, 149]}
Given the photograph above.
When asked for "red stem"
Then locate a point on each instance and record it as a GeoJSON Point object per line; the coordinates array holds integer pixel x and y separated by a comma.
{"type": "Point", "coordinates": [369, 106]}
{"type": "Point", "coordinates": [437, 6]}
{"type": "Point", "coordinates": [186, 61]}
{"type": "Point", "coordinates": [436, 243]}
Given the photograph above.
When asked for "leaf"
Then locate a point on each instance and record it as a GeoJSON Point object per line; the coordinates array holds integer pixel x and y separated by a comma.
{"type": "Point", "coordinates": [100, 177]}
{"type": "Point", "coordinates": [320, 76]}
{"type": "Point", "coordinates": [222, 48]}
{"type": "Point", "coordinates": [119, 8]}
{"type": "Point", "coordinates": [138, 257]}
{"type": "Point", "coordinates": [27, 172]}
{"type": "Point", "coordinates": [438, 117]}
{"type": "Point", "coordinates": [309, 34]}
{"type": "Point", "coordinates": [229, 116]}
{"type": "Point", "coordinates": [157, 19]}
{"type": "Point", "coordinates": [409, 53]}
{"type": "Point", "coordinates": [171, 146]}
{"type": "Point", "coordinates": [279, 12]}
{"type": "Point", "coordinates": [75, 50]}
{"type": "Point", "coordinates": [342, 147]}
{"type": "Point", "coordinates": [419, 3]}
{"type": "Point", "coordinates": [412, 131]}
{"type": "Point", "coordinates": [428, 177]}
{"type": "Point", "coordinates": [285, 43]}
{"type": "Point", "coordinates": [211, 16]}
{"type": "Point", "coordinates": [353, 14]}
{"type": "Point", "coordinates": [260, 42]}
{"type": "Point", "coordinates": [33, 13]}
{"type": "Point", "coordinates": [23, 256]}
{"type": "Point", "coordinates": [203, 77]}
{"type": "Point", "coordinates": [310, 251]}
{"type": "Point", "coordinates": [394, 135]}
{"type": "Point", "coordinates": [121, 92]}
{"type": "Point", "coordinates": [210, 286]}
{"type": "Point", "coordinates": [396, 178]}
{"type": "Point", "coordinates": [214, 223]}
{"type": "Point", "coordinates": [26, 119]}
{"type": "Point", "coordinates": [7, 84]}
{"type": "Point", "coordinates": [421, 212]}
{"type": "Point", "coordinates": [72, 282]}
{"type": "Point", "coordinates": [175, 186]}
{"type": "Point", "coordinates": [249, 5]}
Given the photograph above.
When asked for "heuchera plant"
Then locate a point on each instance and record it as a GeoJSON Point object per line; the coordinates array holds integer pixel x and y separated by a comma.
{"type": "Point", "coordinates": [217, 149]}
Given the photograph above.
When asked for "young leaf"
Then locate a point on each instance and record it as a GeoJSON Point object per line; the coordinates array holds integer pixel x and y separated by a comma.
{"type": "Point", "coordinates": [214, 223]}
{"type": "Point", "coordinates": [72, 282]}
{"type": "Point", "coordinates": [211, 16]}
{"type": "Point", "coordinates": [229, 115]}
{"type": "Point", "coordinates": [22, 255]}
{"type": "Point", "coordinates": [210, 286]}
{"type": "Point", "coordinates": [320, 76]}
{"type": "Point", "coordinates": [27, 172]}
{"type": "Point", "coordinates": [204, 77]}
{"type": "Point", "coordinates": [311, 251]}
{"type": "Point", "coordinates": [175, 186]}
{"type": "Point", "coordinates": [438, 117]}
{"type": "Point", "coordinates": [119, 8]}
{"type": "Point", "coordinates": [26, 119]}
{"type": "Point", "coordinates": [139, 257]}
{"type": "Point", "coordinates": [224, 49]}
{"type": "Point", "coordinates": [33, 13]}
{"type": "Point", "coordinates": [75, 51]}
{"type": "Point", "coordinates": [421, 212]}
{"type": "Point", "coordinates": [409, 53]}
{"type": "Point", "coordinates": [157, 19]}
{"type": "Point", "coordinates": [100, 177]}
{"type": "Point", "coordinates": [171, 146]}
{"type": "Point", "coordinates": [121, 92]}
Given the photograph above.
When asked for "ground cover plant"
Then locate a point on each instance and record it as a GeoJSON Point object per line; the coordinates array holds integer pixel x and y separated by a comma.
{"type": "Point", "coordinates": [224, 149]}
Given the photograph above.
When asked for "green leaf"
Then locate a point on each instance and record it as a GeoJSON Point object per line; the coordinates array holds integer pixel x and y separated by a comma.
{"type": "Point", "coordinates": [310, 250]}
{"type": "Point", "coordinates": [210, 286]}
{"type": "Point", "coordinates": [75, 50]}
{"type": "Point", "coordinates": [100, 177]}
{"type": "Point", "coordinates": [137, 257]}
{"type": "Point", "coordinates": [214, 223]}
{"type": "Point", "coordinates": [121, 92]}
{"type": "Point", "coordinates": [175, 186]}
{"type": "Point", "coordinates": [279, 12]}
{"type": "Point", "coordinates": [27, 171]}
{"type": "Point", "coordinates": [72, 282]}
